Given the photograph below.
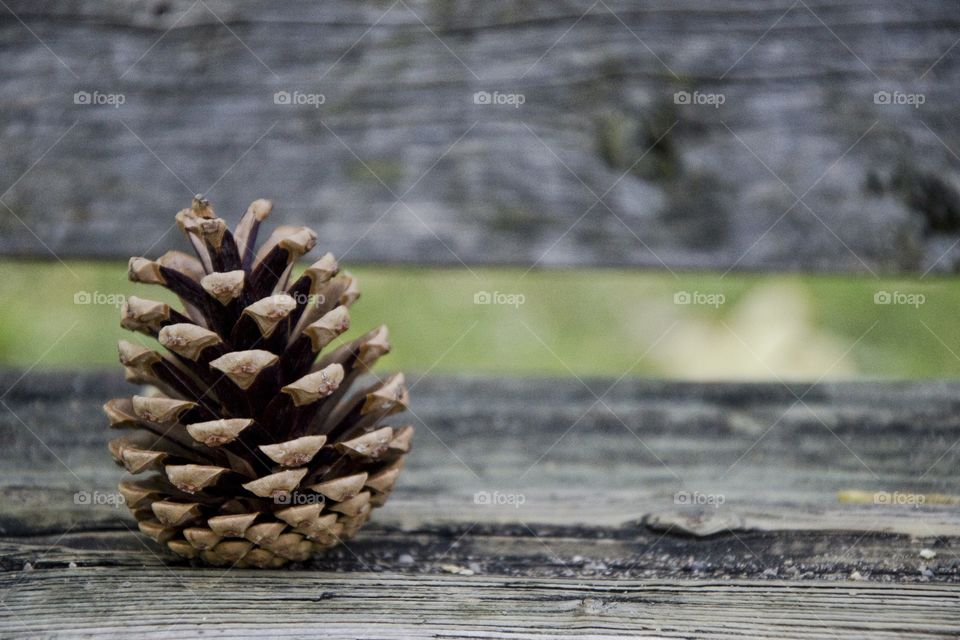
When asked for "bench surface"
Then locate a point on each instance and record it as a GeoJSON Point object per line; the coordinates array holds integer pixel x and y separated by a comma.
{"type": "Point", "coordinates": [588, 530]}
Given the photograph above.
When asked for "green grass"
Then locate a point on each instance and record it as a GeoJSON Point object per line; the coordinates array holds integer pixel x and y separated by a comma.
{"type": "Point", "coordinates": [591, 322]}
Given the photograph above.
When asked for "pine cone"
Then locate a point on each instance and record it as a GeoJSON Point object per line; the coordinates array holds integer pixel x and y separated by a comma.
{"type": "Point", "coordinates": [259, 454]}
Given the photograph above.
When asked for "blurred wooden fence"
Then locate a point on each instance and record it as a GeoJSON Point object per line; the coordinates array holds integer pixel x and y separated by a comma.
{"type": "Point", "coordinates": [779, 135]}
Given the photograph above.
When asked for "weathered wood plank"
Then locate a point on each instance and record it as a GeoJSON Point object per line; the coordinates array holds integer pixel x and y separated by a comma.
{"type": "Point", "coordinates": [754, 460]}
{"type": "Point", "coordinates": [598, 547]}
{"type": "Point", "coordinates": [630, 551]}
{"type": "Point", "coordinates": [683, 185]}
{"type": "Point", "coordinates": [163, 603]}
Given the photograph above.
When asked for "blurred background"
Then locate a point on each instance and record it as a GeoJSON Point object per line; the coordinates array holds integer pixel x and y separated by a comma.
{"type": "Point", "coordinates": [735, 191]}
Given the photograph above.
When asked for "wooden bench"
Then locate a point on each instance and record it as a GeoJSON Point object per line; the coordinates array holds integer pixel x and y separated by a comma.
{"type": "Point", "coordinates": [529, 507]}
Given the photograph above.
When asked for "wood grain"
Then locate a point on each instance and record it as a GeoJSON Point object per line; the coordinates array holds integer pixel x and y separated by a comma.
{"type": "Point", "coordinates": [162, 604]}
{"type": "Point", "coordinates": [399, 164]}
{"type": "Point", "coordinates": [597, 547]}
{"type": "Point", "coordinates": [768, 460]}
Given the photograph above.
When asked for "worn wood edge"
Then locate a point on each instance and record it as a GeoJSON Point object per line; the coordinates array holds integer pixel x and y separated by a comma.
{"type": "Point", "coordinates": [530, 549]}
{"type": "Point", "coordinates": [115, 603]}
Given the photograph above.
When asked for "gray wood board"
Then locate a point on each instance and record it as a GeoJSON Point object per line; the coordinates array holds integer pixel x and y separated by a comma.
{"type": "Point", "coordinates": [156, 602]}
{"type": "Point", "coordinates": [799, 168]}
{"type": "Point", "coordinates": [649, 458]}
{"type": "Point", "coordinates": [598, 548]}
